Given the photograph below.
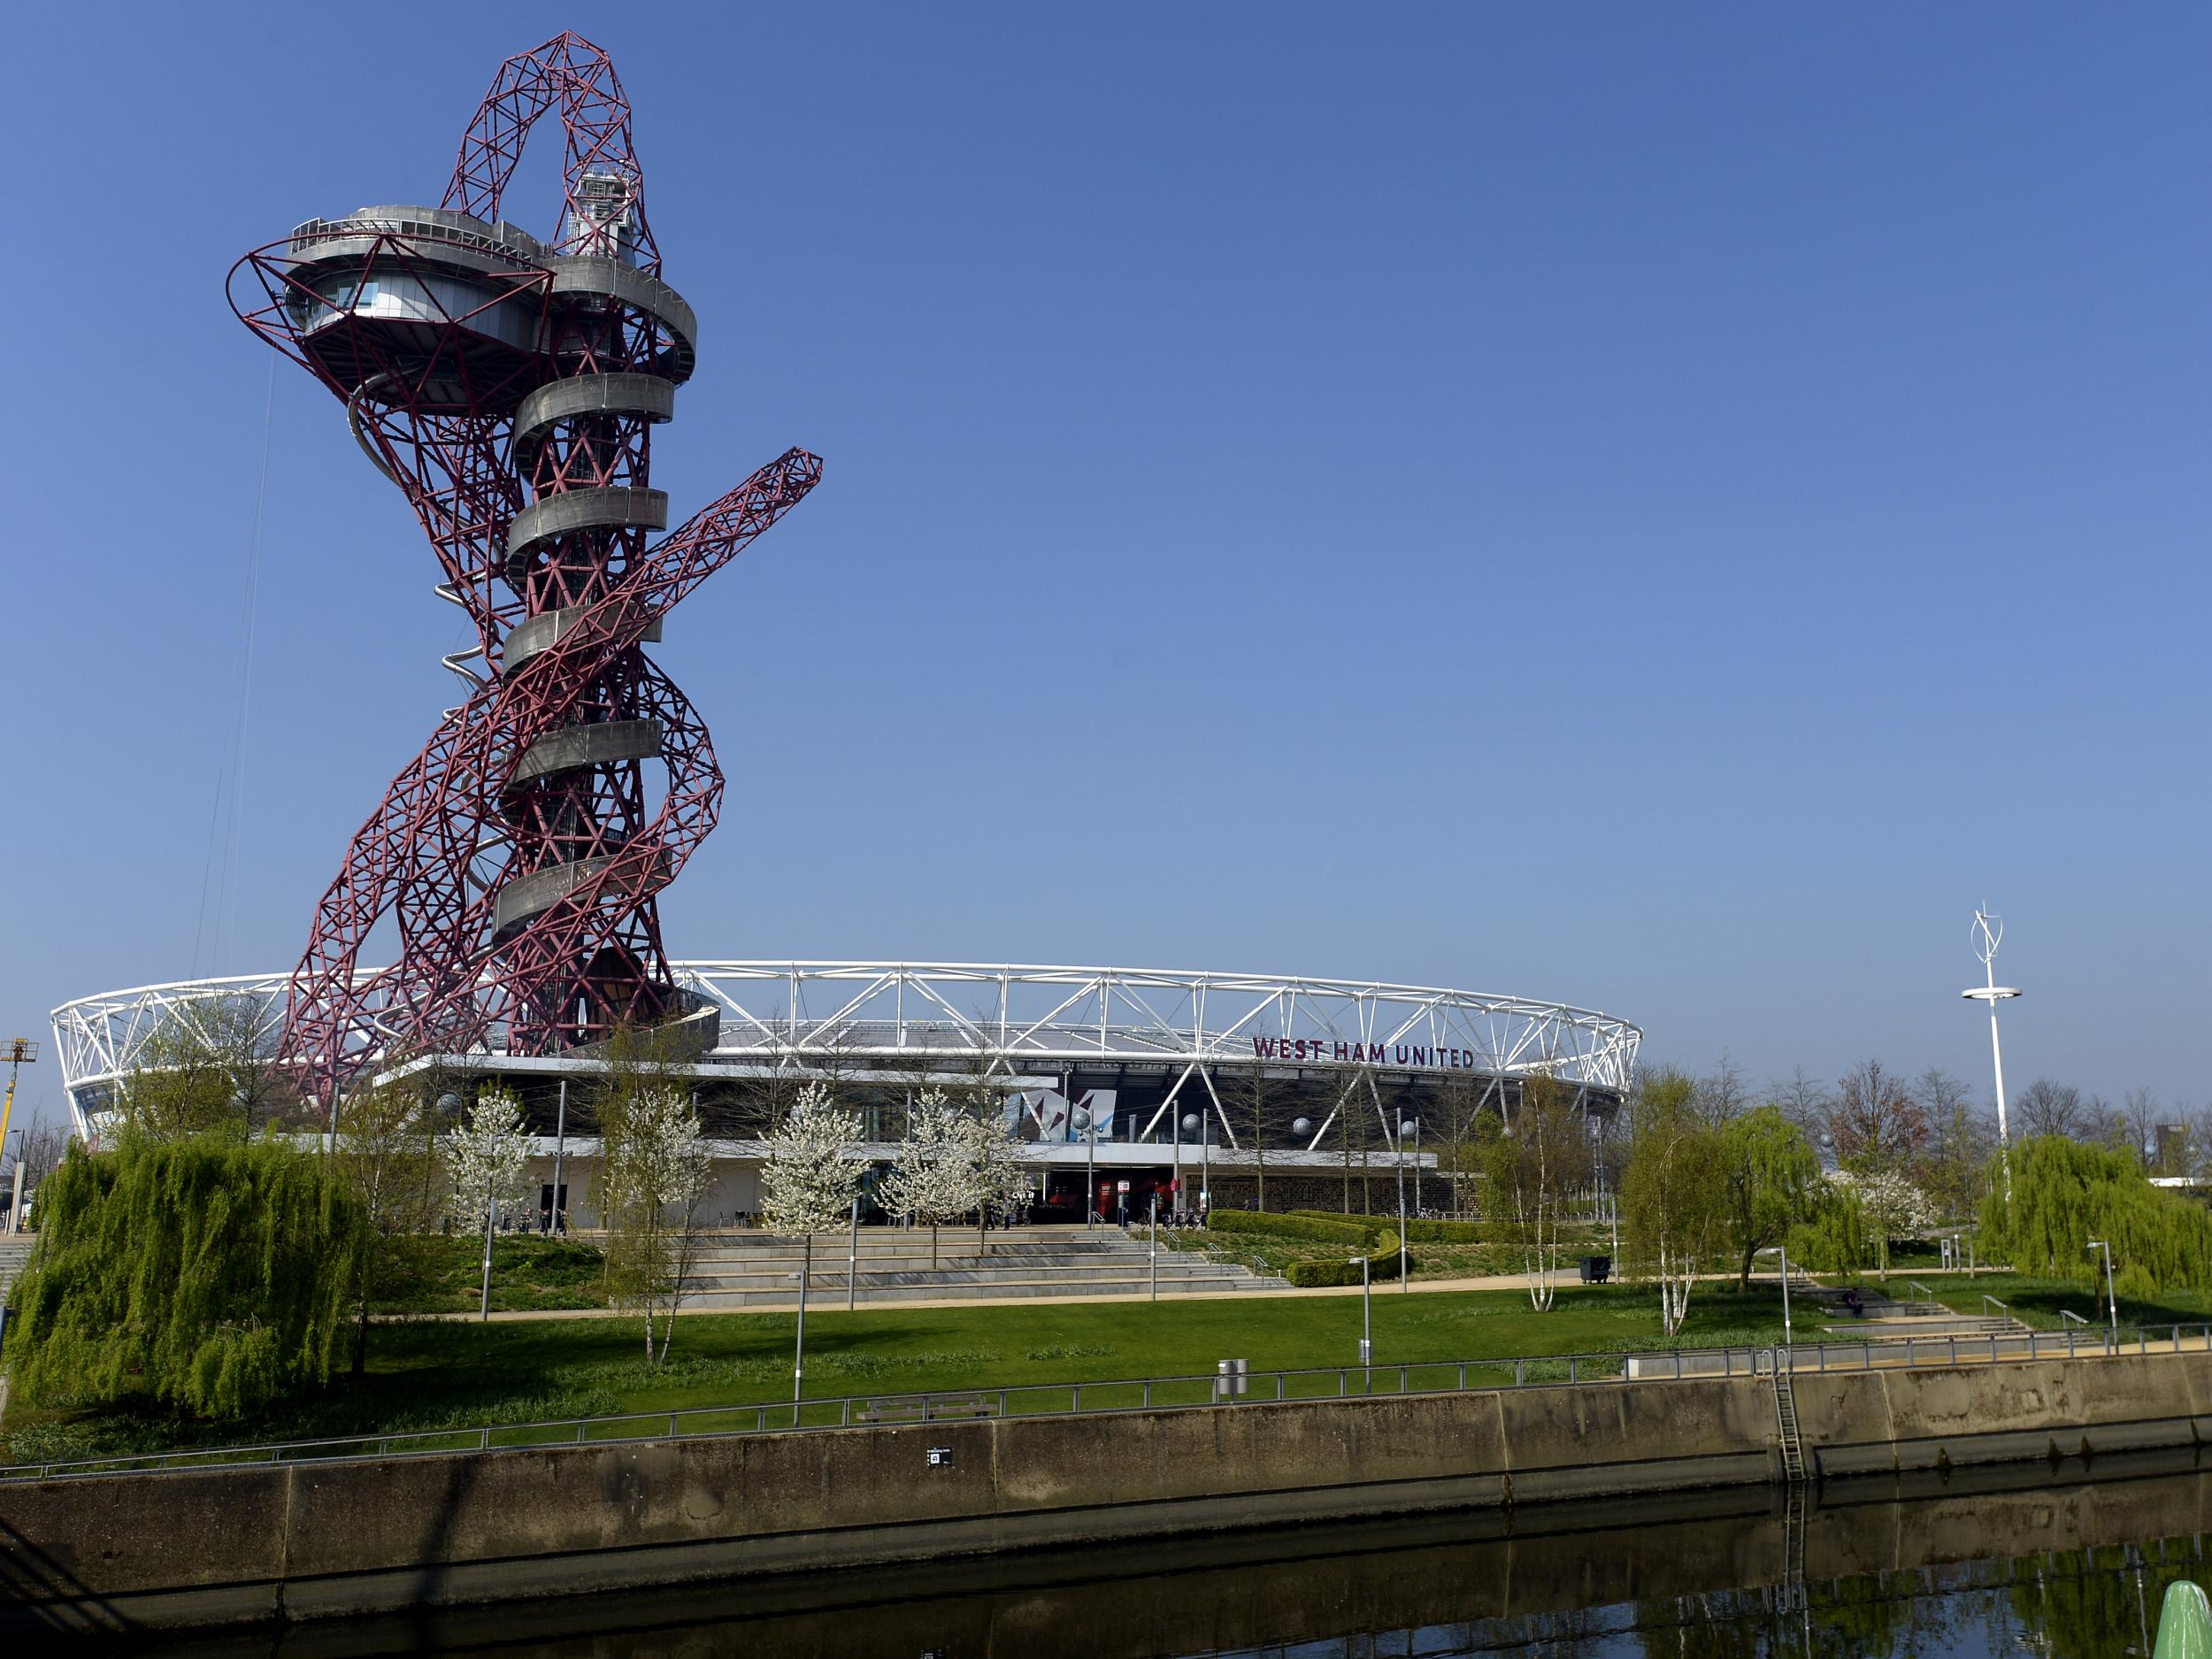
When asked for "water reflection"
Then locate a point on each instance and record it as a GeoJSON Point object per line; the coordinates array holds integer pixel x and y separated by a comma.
{"type": "Point", "coordinates": [2061, 1560]}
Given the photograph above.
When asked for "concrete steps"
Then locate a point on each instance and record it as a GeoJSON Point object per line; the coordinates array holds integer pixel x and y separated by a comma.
{"type": "Point", "coordinates": [15, 1249]}
{"type": "Point", "coordinates": [737, 1272]}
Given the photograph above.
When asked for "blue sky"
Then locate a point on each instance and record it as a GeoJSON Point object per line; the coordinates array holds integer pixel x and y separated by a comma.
{"type": "Point", "coordinates": [1659, 508]}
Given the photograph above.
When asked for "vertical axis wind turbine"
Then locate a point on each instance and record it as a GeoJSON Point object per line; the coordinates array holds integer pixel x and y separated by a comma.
{"type": "Point", "coordinates": [1989, 933]}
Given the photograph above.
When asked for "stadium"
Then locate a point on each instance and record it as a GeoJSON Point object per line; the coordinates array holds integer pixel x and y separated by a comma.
{"type": "Point", "coordinates": [1197, 1088]}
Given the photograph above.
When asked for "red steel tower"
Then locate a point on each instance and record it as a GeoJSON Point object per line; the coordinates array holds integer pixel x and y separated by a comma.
{"type": "Point", "coordinates": [509, 388]}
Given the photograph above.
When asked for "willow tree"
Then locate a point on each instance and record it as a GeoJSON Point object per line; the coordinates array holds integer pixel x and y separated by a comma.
{"type": "Point", "coordinates": [1771, 1178]}
{"type": "Point", "coordinates": [2065, 1193]}
{"type": "Point", "coordinates": [205, 1274]}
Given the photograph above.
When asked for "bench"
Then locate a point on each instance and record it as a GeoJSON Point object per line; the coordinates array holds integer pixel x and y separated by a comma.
{"type": "Point", "coordinates": [935, 1408]}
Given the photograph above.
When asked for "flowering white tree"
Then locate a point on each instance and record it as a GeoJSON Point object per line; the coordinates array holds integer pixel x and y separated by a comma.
{"type": "Point", "coordinates": [1892, 1206]}
{"type": "Point", "coordinates": [813, 1181]}
{"type": "Point", "coordinates": [986, 1156]}
{"type": "Point", "coordinates": [653, 1171]}
{"type": "Point", "coordinates": [926, 1184]}
{"type": "Point", "coordinates": [810, 1172]}
{"type": "Point", "coordinates": [485, 1159]}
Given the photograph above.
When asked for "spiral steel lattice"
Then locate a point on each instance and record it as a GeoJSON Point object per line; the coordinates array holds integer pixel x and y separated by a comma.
{"type": "Point", "coordinates": [510, 387]}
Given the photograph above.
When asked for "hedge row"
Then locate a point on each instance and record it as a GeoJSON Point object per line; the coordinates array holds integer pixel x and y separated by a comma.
{"type": "Point", "coordinates": [1307, 1274]}
{"type": "Point", "coordinates": [1419, 1232]}
{"type": "Point", "coordinates": [1321, 1229]}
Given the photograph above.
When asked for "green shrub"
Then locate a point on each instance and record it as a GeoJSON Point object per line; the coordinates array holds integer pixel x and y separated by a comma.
{"type": "Point", "coordinates": [1419, 1232]}
{"type": "Point", "coordinates": [1320, 1229]}
{"type": "Point", "coordinates": [203, 1274]}
{"type": "Point", "coordinates": [1306, 1275]}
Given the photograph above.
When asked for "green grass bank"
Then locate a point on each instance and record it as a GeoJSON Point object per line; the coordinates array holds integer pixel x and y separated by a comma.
{"type": "Point", "coordinates": [452, 1373]}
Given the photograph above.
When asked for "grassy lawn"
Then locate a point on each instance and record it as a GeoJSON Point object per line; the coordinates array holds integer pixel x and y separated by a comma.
{"type": "Point", "coordinates": [1431, 1260]}
{"type": "Point", "coordinates": [529, 1275]}
{"type": "Point", "coordinates": [452, 1373]}
{"type": "Point", "coordinates": [2037, 1301]}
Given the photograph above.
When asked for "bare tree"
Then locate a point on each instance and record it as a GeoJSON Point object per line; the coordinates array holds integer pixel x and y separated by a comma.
{"type": "Point", "coordinates": [1875, 1120]}
{"type": "Point", "coordinates": [1262, 1099]}
{"type": "Point", "coordinates": [40, 1149]}
{"type": "Point", "coordinates": [208, 1068]}
{"type": "Point", "coordinates": [1531, 1173]}
{"type": "Point", "coordinates": [1959, 1144]}
{"type": "Point", "coordinates": [2047, 1108]}
{"type": "Point", "coordinates": [1805, 1100]}
{"type": "Point", "coordinates": [1722, 1094]}
{"type": "Point", "coordinates": [2139, 1122]}
{"type": "Point", "coordinates": [1461, 1103]}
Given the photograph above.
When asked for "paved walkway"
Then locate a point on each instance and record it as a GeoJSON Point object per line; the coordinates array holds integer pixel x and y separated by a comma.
{"type": "Point", "coordinates": [834, 1301]}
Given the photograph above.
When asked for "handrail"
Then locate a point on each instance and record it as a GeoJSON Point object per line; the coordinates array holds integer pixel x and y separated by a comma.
{"type": "Point", "coordinates": [1092, 1398]}
{"type": "Point", "coordinates": [1992, 1301]}
{"type": "Point", "coordinates": [2067, 1313]}
{"type": "Point", "coordinates": [1914, 1284]}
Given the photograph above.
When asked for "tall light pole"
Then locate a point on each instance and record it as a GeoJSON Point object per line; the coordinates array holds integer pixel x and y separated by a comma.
{"type": "Point", "coordinates": [1406, 1126]}
{"type": "Point", "coordinates": [1082, 1120]}
{"type": "Point", "coordinates": [1989, 933]}
{"type": "Point", "coordinates": [1366, 1313]}
{"type": "Point", "coordinates": [1199, 1125]}
{"type": "Point", "coordinates": [1788, 1336]}
{"type": "Point", "coordinates": [2111, 1301]}
{"type": "Point", "coordinates": [23, 1051]}
{"type": "Point", "coordinates": [15, 1197]}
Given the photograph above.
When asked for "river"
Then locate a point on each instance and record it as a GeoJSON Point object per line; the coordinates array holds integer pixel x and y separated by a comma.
{"type": "Point", "coordinates": [2052, 1560]}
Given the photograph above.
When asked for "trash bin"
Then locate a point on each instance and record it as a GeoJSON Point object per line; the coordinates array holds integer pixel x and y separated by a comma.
{"type": "Point", "coordinates": [1596, 1269]}
{"type": "Point", "coordinates": [1233, 1377]}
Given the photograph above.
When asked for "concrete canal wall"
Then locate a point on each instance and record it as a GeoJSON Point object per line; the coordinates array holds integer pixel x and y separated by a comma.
{"type": "Point", "coordinates": [238, 1545]}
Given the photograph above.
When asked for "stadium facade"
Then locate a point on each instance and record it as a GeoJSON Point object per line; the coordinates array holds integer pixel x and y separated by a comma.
{"type": "Point", "coordinates": [1127, 1083]}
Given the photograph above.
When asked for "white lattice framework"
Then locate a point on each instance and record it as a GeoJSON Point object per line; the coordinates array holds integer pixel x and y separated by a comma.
{"type": "Point", "coordinates": [1021, 1019]}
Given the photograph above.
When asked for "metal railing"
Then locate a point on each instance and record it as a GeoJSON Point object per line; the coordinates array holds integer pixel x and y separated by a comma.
{"type": "Point", "coordinates": [1147, 1393]}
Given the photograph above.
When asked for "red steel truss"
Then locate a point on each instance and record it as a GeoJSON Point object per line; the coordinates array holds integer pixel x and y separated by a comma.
{"type": "Point", "coordinates": [509, 388]}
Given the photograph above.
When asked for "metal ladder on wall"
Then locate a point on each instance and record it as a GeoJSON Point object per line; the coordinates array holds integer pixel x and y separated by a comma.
{"type": "Point", "coordinates": [1785, 1416]}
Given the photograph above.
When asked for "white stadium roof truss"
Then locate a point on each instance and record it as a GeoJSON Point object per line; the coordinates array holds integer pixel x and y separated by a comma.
{"type": "Point", "coordinates": [1016, 1020]}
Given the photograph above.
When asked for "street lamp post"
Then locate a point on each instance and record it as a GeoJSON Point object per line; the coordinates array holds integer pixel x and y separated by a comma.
{"type": "Point", "coordinates": [2111, 1301]}
{"type": "Point", "coordinates": [484, 1311]}
{"type": "Point", "coordinates": [1406, 1126]}
{"type": "Point", "coordinates": [1175, 1138]}
{"type": "Point", "coordinates": [1989, 931]}
{"type": "Point", "coordinates": [1366, 1314]}
{"type": "Point", "coordinates": [1789, 1336]}
{"type": "Point", "coordinates": [1197, 1124]}
{"type": "Point", "coordinates": [1088, 1124]}
{"type": "Point", "coordinates": [15, 1197]}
